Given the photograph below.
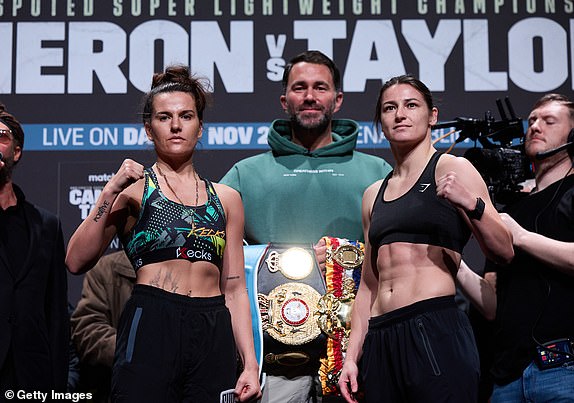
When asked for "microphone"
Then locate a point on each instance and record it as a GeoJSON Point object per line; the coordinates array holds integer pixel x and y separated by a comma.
{"type": "Point", "coordinates": [545, 154]}
{"type": "Point", "coordinates": [549, 153]}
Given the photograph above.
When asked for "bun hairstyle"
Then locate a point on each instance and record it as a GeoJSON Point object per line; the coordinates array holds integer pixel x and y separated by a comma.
{"type": "Point", "coordinates": [13, 124]}
{"type": "Point", "coordinates": [177, 78]}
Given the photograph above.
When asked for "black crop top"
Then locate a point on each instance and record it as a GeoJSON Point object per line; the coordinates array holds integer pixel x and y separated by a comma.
{"type": "Point", "coordinates": [418, 216]}
{"type": "Point", "coordinates": [164, 228]}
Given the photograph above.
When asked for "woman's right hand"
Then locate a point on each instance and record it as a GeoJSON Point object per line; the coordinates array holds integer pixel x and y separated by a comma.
{"type": "Point", "coordinates": [348, 384]}
{"type": "Point", "coordinates": [129, 173]}
{"type": "Point", "coordinates": [247, 388]}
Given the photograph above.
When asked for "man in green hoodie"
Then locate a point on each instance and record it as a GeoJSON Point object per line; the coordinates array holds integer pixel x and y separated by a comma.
{"type": "Point", "coordinates": [309, 185]}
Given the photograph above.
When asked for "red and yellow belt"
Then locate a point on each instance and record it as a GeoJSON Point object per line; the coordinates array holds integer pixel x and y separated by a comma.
{"type": "Point", "coordinates": [342, 275]}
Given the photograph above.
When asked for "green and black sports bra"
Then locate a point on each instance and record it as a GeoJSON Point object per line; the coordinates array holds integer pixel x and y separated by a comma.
{"type": "Point", "coordinates": [164, 228]}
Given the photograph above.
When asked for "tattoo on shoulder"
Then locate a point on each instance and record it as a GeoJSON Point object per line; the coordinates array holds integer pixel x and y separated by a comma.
{"type": "Point", "coordinates": [102, 210]}
{"type": "Point", "coordinates": [233, 278]}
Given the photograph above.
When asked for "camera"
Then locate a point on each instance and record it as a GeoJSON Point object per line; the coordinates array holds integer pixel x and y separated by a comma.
{"type": "Point", "coordinates": [500, 158]}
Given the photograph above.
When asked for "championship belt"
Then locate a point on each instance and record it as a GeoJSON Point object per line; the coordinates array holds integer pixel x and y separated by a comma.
{"type": "Point", "coordinates": [290, 285]}
{"type": "Point", "coordinates": [342, 274]}
{"type": "Point", "coordinates": [287, 313]}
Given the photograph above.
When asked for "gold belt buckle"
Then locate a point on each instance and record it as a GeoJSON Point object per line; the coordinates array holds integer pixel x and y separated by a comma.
{"type": "Point", "coordinates": [294, 263]}
{"type": "Point", "coordinates": [288, 313]}
{"type": "Point", "coordinates": [348, 256]}
{"type": "Point", "coordinates": [334, 314]}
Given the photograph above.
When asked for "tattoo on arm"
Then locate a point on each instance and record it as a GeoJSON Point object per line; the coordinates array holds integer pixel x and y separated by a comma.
{"type": "Point", "coordinates": [102, 210]}
{"type": "Point", "coordinates": [233, 278]}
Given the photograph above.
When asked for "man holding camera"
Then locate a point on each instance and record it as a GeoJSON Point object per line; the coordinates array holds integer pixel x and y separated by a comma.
{"type": "Point", "coordinates": [534, 342]}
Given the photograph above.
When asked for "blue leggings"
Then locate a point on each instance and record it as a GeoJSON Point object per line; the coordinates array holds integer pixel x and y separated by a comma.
{"type": "Point", "coordinates": [173, 348]}
{"type": "Point", "coordinates": [424, 352]}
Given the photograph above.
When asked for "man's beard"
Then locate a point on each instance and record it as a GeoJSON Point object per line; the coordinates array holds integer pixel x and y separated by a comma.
{"type": "Point", "coordinates": [6, 171]}
{"type": "Point", "coordinates": [316, 125]}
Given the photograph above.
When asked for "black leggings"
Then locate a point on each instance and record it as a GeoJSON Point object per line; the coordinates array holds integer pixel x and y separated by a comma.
{"type": "Point", "coordinates": [172, 348]}
{"type": "Point", "coordinates": [424, 352]}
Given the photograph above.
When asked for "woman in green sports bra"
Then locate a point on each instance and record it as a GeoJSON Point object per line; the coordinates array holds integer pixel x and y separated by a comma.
{"type": "Point", "coordinates": [188, 317]}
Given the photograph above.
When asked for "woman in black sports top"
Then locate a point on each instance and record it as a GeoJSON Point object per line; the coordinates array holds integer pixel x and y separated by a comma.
{"type": "Point", "coordinates": [188, 316]}
{"type": "Point", "coordinates": [415, 345]}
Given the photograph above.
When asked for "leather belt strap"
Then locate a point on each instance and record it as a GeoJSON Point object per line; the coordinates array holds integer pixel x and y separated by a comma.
{"type": "Point", "coordinates": [288, 359]}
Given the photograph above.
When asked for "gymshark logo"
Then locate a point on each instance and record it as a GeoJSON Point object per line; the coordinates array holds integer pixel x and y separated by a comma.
{"type": "Point", "coordinates": [423, 186]}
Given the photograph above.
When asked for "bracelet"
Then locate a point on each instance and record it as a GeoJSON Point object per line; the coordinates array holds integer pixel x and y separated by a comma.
{"type": "Point", "coordinates": [478, 211]}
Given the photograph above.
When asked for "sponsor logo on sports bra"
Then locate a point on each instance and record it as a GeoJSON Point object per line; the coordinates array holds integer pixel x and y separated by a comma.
{"type": "Point", "coordinates": [202, 231]}
{"type": "Point", "coordinates": [195, 254]}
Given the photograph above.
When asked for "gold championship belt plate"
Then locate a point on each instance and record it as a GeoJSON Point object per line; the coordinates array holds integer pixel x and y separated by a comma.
{"type": "Point", "coordinates": [289, 311]}
{"type": "Point", "coordinates": [334, 313]}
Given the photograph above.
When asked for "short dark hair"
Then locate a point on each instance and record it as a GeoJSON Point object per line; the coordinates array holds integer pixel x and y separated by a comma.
{"type": "Point", "coordinates": [402, 79]}
{"type": "Point", "coordinates": [314, 57]}
{"type": "Point", "coordinates": [176, 78]}
{"type": "Point", "coordinates": [15, 127]}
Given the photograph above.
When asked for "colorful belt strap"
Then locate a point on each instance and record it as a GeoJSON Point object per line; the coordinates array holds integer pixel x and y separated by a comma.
{"type": "Point", "coordinates": [342, 275]}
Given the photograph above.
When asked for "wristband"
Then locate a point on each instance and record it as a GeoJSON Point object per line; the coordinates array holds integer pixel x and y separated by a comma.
{"type": "Point", "coordinates": [478, 211]}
